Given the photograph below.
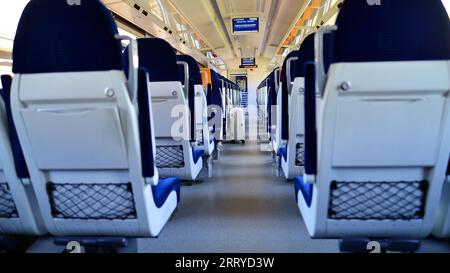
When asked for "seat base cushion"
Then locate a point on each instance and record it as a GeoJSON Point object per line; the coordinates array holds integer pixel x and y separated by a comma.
{"type": "Point", "coordinates": [212, 139]}
{"type": "Point", "coordinates": [306, 190]}
{"type": "Point", "coordinates": [197, 153]}
{"type": "Point", "coordinates": [282, 152]}
{"type": "Point", "coordinates": [164, 188]}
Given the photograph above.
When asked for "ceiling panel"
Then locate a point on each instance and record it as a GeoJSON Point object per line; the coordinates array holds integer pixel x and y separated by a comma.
{"type": "Point", "coordinates": [282, 21]}
{"type": "Point", "coordinates": [208, 20]}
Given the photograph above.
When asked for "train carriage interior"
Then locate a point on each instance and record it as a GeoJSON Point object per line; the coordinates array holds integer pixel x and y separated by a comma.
{"type": "Point", "coordinates": [224, 126]}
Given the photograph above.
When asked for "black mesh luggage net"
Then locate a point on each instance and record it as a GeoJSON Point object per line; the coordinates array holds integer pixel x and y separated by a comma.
{"type": "Point", "coordinates": [377, 200]}
{"type": "Point", "coordinates": [7, 206]}
{"type": "Point", "coordinates": [92, 201]}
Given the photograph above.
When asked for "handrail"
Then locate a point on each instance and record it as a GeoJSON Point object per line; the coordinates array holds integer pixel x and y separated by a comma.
{"type": "Point", "coordinates": [186, 77]}
{"type": "Point", "coordinates": [288, 73]}
{"type": "Point", "coordinates": [133, 64]}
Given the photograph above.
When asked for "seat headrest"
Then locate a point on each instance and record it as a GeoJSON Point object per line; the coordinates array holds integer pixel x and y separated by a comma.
{"type": "Point", "coordinates": [305, 54]}
{"type": "Point", "coordinates": [53, 36]}
{"type": "Point", "coordinates": [215, 80]}
{"type": "Point", "coordinates": [270, 80]}
{"type": "Point", "coordinates": [194, 69]}
{"type": "Point", "coordinates": [293, 66]}
{"type": "Point", "coordinates": [396, 30]}
{"type": "Point", "coordinates": [215, 95]}
{"type": "Point", "coordinates": [159, 58]}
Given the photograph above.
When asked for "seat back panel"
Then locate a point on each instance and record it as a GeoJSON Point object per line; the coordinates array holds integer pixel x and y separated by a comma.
{"type": "Point", "coordinates": [52, 123]}
{"type": "Point", "coordinates": [83, 148]}
{"type": "Point", "coordinates": [168, 102]}
{"type": "Point", "coordinates": [379, 134]}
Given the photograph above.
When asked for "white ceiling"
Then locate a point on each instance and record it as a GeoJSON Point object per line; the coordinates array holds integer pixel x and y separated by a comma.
{"type": "Point", "coordinates": [212, 19]}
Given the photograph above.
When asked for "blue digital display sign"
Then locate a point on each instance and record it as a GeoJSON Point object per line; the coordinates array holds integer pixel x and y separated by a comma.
{"type": "Point", "coordinates": [245, 25]}
{"type": "Point", "coordinates": [248, 62]}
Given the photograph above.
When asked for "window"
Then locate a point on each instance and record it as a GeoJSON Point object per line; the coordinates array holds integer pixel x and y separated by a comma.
{"type": "Point", "coordinates": [10, 12]}
{"type": "Point", "coordinates": [155, 9]}
{"type": "Point", "coordinates": [447, 6]}
{"type": "Point", "coordinates": [196, 42]}
{"type": "Point", "coordinates": [298, 38]}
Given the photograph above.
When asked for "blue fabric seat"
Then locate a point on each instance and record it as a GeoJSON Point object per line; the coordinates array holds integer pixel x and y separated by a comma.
{"type": "Point", "coordinates": [272, 99]}
{"type": "Point", "coordinates": [197, 153]}
{"type": "Point", "coordinates": [282, 152]}
{"type": "Point", "coordinates": [145, 133]}
{"type": "Point", "coordinates": [63, 40]}
{"type": "Point", "coordinates": [285, 94]}
{"type": "Point", "coordinates": [376, 36]}
{"type": "Point", "coordinates": [159, 59]}
{"type": "Point", "coordinates": [305, 54]}
{"type": "Point", "coordinates": [19, 159]}
{"type": "Point", "coordinates": [164, 188]}
{"type": "Point", "coordinates": [305, 189]}
{"type": "Point", "coordinates": [363, 37]}
{"type": "Point", "coordinates": [305, 59]}
{"type": "Point", "coordinates": [66, 42]}
{"type": "Point", "coordinates": [55, 53]}
{"type": "Point", "coordinates": [214, 98]}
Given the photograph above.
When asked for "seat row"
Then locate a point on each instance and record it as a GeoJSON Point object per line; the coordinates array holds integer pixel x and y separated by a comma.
{"type": "Point", "coordinates": [95, 140]}
{"type": "Point", "coordinates": [231, 98]}
{"type": "Point", "coordinates": [225, 96]}
{"type": "Point", "coordinates": [359, 117]}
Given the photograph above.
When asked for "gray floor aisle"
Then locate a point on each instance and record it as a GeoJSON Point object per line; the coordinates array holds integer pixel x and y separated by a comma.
{"type": "Point", "coordinates": [243, 208]}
